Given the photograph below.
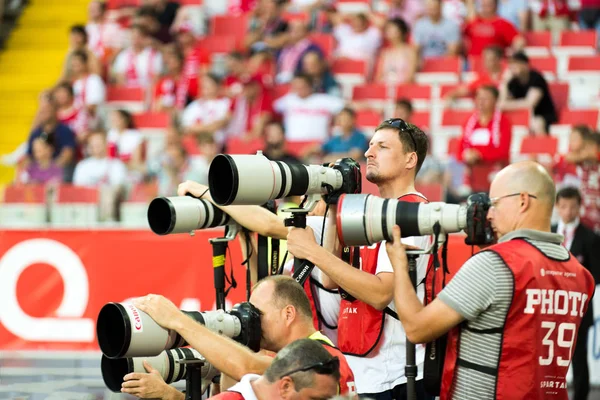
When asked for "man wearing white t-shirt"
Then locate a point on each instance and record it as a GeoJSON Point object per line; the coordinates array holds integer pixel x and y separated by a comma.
{"type": "Point", "coordinates": [98, 168]}
{"type": "Point", "coordinates": [103, 36]}
{"type": "Point", "coordinates": [367, 328]}
{"type": "Point", "coordinates": [89, 91]}
{"type": "Point", "coordinates": [139, 65]}
{"type": "Point", "coordinates": [357, 40]}
{"type": "Point", "coordinates": [307, 115]}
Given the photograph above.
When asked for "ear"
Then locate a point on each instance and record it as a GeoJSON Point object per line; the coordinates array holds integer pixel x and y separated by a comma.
{"type": "Point", "coordinates": [289, 314]}
{"type": "Point", "coordinates": [411, 161]}
{"type": "Point", "coordinates": [285, 387]}
{"type": "Point", "coordinates": [525, 202]}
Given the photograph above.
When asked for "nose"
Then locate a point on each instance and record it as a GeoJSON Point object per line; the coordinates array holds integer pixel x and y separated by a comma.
{"type": "Point", "coordinates": [369, 153]}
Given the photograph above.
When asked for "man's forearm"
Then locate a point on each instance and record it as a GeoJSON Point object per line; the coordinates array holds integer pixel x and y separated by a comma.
{"type": "Point", "coordinates": [221, 352]}
{"type": "Point", "coordinates": [173, 394]}
{"type": "Point", "coordinates": [362, 285]}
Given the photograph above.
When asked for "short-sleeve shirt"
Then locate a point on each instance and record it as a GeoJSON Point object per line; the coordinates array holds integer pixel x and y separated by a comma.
{"type": "Point", "coordinates": [64, 138]}
{"type": "Point", "coordinates": [481, 33]}
{"type": "Point", "coordinates": [434, 38]}
{"type": "Point", "coordinates": [342, 144]}
{"type": "Point", "coordinates": [545, 107]}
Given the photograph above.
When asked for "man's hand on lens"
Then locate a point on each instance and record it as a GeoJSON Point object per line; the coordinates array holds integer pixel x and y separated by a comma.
{"type": "Point", "coordinates": [194, 188]}
{"type": "Point", "coordinates": [146, 386]}
{"type": "Point", "coordinates": [301, 242]}
{"type": "Point", "coordinates": [396, 251]}
{"type": "Point", "coordinates": [160, 309]}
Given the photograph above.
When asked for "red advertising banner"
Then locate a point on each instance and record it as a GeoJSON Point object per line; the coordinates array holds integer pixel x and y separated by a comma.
{"type": "Point", "coordinates": [54, 283]}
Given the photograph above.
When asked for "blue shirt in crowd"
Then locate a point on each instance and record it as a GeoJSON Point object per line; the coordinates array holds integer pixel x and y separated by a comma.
{"type": "Point", "coordinates": [63, 138]}
{"type": "Point", "coordinates": [343, 144]}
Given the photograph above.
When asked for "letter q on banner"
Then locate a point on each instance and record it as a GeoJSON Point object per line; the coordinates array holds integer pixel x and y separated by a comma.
{"type": "Point", "coordinates": [69, 326]}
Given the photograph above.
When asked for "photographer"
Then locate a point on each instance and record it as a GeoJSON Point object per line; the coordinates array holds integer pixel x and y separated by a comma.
{"type": "Point", "coordinates": [285, 317]}
{"type": "Point", "coordinates": [515, 307]}
{"type": "Point", "coordinates": [325, 303]}
{"type": "Point", "coordinates": [302, 369]}
{"type": "Point", "coordinates": [369, 333]}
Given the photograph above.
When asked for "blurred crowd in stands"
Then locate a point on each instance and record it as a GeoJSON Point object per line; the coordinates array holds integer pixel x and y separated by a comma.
{"type": "Point", "coordinates": [152, 90]}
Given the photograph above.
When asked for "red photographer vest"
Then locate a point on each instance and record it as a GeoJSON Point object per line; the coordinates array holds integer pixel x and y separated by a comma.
{"type": "Point", "coordinates": [549, 300]}
{"type": "Point", "coordinates": [347, 385]}
{"type": "Point", "coordinates": [228, 396]}
{"type": "Point", "coordinates": [360, 326]}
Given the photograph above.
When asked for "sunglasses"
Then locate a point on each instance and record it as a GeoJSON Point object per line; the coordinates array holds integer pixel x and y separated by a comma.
{"type": "Point", "coordinates": [402, 126]}
{"type": "Point", "coordinates": [321, 368]}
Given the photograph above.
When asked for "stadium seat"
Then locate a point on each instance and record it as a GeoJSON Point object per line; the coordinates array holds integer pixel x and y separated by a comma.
{"type": "Point", "coordinates": [578, 117]}
{"type": "Point", "coordinates": [422, 119]}
{"type": "Point", "coordinates": [325, 42]}
{"type": "Point", "coordinates": [151, 120]}
{"type": "Point", "coordinates": [75, 206]}
{"type": "Point", "coordinates": [546, 65]}
{"type": "Point", "coordinates": [299, 148]}
{"type": "Point", "coordinates": [578, 38]}
{"type": "Point", "coordinates": [535, 145]}
{"type": "Point", "coordinates": [560, 95]}
{"type": "Point", "coordinates": [377, 94]}
{"type": "Point", "coordinates": [23, 206]}
{"type": "Point", "coordinates": [572, 44]}
{"type": "Point", "coordinates": [582, 74]}
{"type": "Point", "coordinates": [420, 95]}
{"type": "Point", "coordinates": [368, 120]}
{"type": "Point", "coordinates": [538, 43]}
{"type": "Point", "coordinates": [129, 98]}
{"type": "Point", "coordinates": [134, 211]}
{"type": "Point", "coordinates": [451, 126]}
{"type": "Point", "coordinates": [229, 25]}
{"type": "Point", "coordinates": [519, 117]}
{"type": "Point", "coordinates": [240, 146]}
{"type": "Point", "coordinates": [461, 103]}
{"type": "Point", "coordinates": [452, 117]}
{"type": "Point", "coordinates": [218, 44]}
{"type": "Point", "coordinates": [453, 144]}
{"type": "Point", "coordinates": [433, 192]}
{"type": "Point", "coordinates": [349, 73]}
{"type": "Point", "coordinates": [439, 70]}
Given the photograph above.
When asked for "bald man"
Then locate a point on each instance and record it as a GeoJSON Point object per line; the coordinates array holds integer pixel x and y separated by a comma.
{"type": "Point", "coordinates": [513, 310]}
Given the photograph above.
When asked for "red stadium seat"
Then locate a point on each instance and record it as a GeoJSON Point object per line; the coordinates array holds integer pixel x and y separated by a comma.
{"type": "Point", "coordinates": [538, 39]}
{"type": "Point", "coordinates": [433, 192]}
{"type": "Point", "coordinates": [240, 146]}
{"type": "Point", "coordinates": [414, 92]}
{"type": "Point", "coordinates": [455, 117]}
{"type": "Point", "coordinates": [584, 63]}
{"type": "Point", "coordinates": [190, 144]}
{"type": "Point", "coordinates": [143, 192]}
{"type": "Point", "coordinates": [218, 44]}
{"type": "Point", "coordinates": [124, 94]}
{"type": "Point", "coordinates": [577, 117]}
{"type": "Point", "coordinates": [476, 64]}
{"type": "Point", "coordinates": [453, 144]}
{"type": "Point", "coordinates": [560, 95]}
{"type": "Point", "coordinates": [325, 42]}
{"type": "Point", "coordinates": [544, 64]}
{"type": "Point", "coordinates": [32, 194]}
{"type": "Point", "coordinates": [422, 119]}
{"type": "Point", "coordinates": [368, 118]}
{"type": "Point", "coordinates": [376, 91]}
{"type": "Point", "coordinates": [151, 120]}
{"type": "Point", "coordinates": [77, 194]}
{"type": "Point", "coordinates": [578, 38]}
{"type": "Point", "coordinates": [298, 149]}
{"type": "Point", "coordinates": [536, 145]}
{"type": "Point", "coordinates": [519, 117]}
{"type": "Point", "coordinates": [229, 25]}
{"type": "Point", "coordinates": [441, 64]}
{"type": "Point", "coordinates": [349, 66]}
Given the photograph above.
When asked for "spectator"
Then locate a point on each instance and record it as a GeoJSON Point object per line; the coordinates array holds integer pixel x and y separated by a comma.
{"type": "Point", "coordinates": [550, 15]}
{"type": "Point", "coordinates": [209, 113]}
{"type": "Point", "coordinates": [64, 98]}
{"type": "Point", "coordinates": [589, 15]}
{"type": "Point", "coordinates": [209, 149]}
{"type": "Point", "coordinates": [434, 35]}
{"type": "Point", "coordinates": [148, 17]}
{"type": "Point", "coordinates": [455, 10]}
{"type": "Point", "coordinates": [173, 90]}
{"type": "Point", "coordinates": [487, 29]}
{"type": "Point", "coordinates": [290, 57]}
{"type": "Point", "coordinates": [267, 29]}
{"type": "Point", "coordinates": [490, 75]}
{"type": "Point", "coordinates": [63, 139]}
{"type": "Point", "coordinates": [516, 12]}
{"type": "Point", "coordinates": [485, 143]}
{"type": "Point", "coordinates": [166, 11]}
{"type": "Point", "coordinates": [125, 142]}
{"type": "Point", "coordinates": [176, 167]}
{"type": "Point", "coordinates": [89, 91]}
{"type": "Point", "coordinates": [527, 88]}
{"type": "Point", "coordinates": [235, 64]}
{"type": "Point", "coordinates": [307, 115]}
{"type": "Point", "coordinates": [397, 62]}
{"type": "Point", "coordinates": [43, 169]}
{"type": "Point", "coordinates": [407, 10]}
{"type": "Point", "coordinates": [140, 64]}
{"type": "Point", "coordinates": [261, 63]}
{"type": "Point", "coordinates": [347, 140]}
{"type": "Point", "coordinates": [99, 169]}
{"type": "Point", "coordinates": [314, 66]}
{"type": "Point", "coordinates": [78, 40]}
{"type": "Point", "coordinates": [241, 7]}
{"type": "Point", "coordinates": [565, 166]}
{"type": "Point", "coordinates": [104, 36]}
{"type": "Point", "coordinates": [588, 172]}
{"type": "Point", "coordinates": [432, 171]}
{"type": "Point", "coordinates": [357, 40]}
{"type": "Point", "coordinates": [193, 57]}
{"type": "Point", "coordinates": [403, 109]}
{"type": "Point", "coordinates": [250, 111]}
{"type": "Point", "coordinates": [275, 144]}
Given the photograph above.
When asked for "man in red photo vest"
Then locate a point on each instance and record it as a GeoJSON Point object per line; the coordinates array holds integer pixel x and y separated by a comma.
{"type": "Point", "coordinates": [285, 316]}
{"type": "Point", "coordinates": [302, 370]}
{"type": "Point", "coordinates": [514, 309]}
{"type": "Point", "coordinates": [368, 332]}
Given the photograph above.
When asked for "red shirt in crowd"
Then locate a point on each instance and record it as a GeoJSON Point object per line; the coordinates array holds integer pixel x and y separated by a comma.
{"type": "Point", "coordinates": [244, 115]}
{"type": "Point", "coordinates": [481, 33]}
{"type": "Point", "coordinates": [482, 79]}
{"type": "Point", "coordinates": [174, 92]}
{"type": "Point", "coordinates": [589, 174]}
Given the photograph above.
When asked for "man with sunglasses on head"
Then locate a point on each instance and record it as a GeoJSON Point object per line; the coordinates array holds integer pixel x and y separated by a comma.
{"type": "Point", "coordinates": [302, 370]}
{"type": "Point", "coordinates": [369, 332]}
{"type": "Point", "coordinates": [512, 310]}
{"type": "Point", "coordinates": [285, 317]}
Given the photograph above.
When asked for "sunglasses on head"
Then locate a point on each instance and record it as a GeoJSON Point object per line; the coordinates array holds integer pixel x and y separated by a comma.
{"type": "Point", "coordinates": [402, 126]}
{"type": "Point", "coordinates": [321, 368]}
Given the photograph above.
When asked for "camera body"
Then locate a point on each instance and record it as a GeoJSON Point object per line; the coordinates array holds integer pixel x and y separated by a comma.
{"type": "Point", "coordinates": [351, 179]}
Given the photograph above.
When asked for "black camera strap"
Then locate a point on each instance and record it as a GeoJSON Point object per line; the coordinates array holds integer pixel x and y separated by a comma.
{"type": "Point", "coordinates": [350, 255]}
{"type": "Point", "coordinates": [263, 250]}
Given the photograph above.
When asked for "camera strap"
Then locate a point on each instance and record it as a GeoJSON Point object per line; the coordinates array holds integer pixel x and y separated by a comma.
{"type": "Point", "coordinates": [348, 254]}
